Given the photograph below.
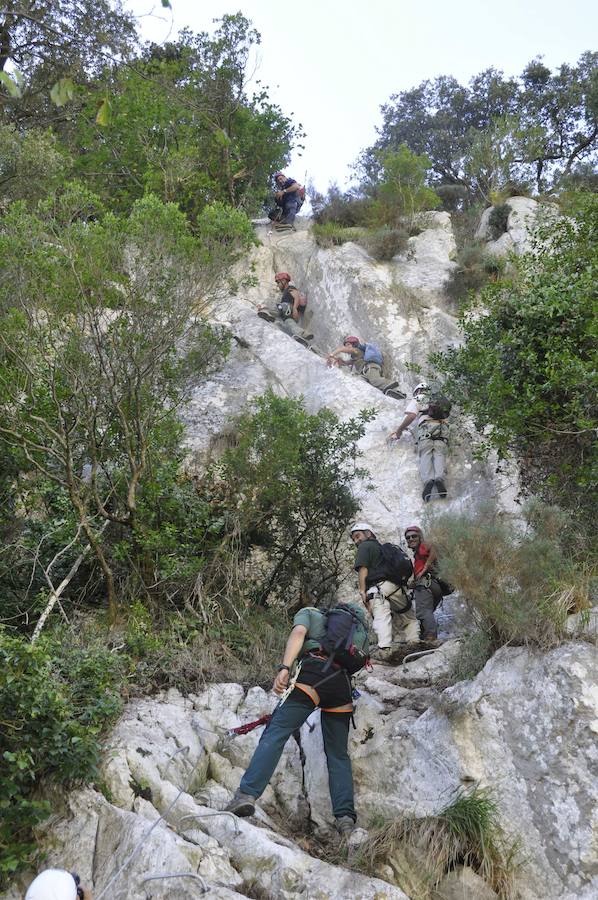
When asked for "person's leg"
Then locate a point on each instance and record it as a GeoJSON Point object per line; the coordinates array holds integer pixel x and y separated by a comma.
{"type": "Point", "coordinates": [439, 459]}
{"type": "Point", "coordinates": [291, 715]}
{"type": "Point", "coordinates": [382, 623]}
{"type": "Point", "coordinates": [425, 605]}
{"type": "Point", "coordinates": [425, 455]}
{"type": "Point", "coordinates": [373, 375]}
{"type": "Point", "coordinates": [289, 211]}
{"type": "Point", "coordinates": [269, 312]}
{"type": "Point", "coordinates": [406, 626]}
{"type": "Point", "coordinates": [335, 731]}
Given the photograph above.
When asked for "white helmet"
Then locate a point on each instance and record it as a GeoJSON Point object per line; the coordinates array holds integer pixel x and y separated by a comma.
{"type": "Point", "coordinates": [422, 386]}
{"type": "Point", "coordinates": [52, 884]}
{"type": "Point", "coordinates": [361, 526]}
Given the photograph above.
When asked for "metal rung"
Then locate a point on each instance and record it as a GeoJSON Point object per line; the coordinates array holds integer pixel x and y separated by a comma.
{"type": "Point", "coordinates": [202, 881]}
{"type": "Point", "coordinates": [214, 812]}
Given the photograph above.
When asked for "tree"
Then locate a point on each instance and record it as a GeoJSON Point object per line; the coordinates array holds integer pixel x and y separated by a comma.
{"type": "Point", "coordinates": [527, 369]}
{"type": "Point", "coordinates": [289, 480]}
{"type": "Point", "coordinates": [48, 40]}
{"type": "Point", "coordinates": [545, 123]}
{"type": "Point", "coordinates": [183, 126]}
{"type": "Point", "coordinates": [104, 322]}
{"type": "Point", "coordinates": [401, 191]}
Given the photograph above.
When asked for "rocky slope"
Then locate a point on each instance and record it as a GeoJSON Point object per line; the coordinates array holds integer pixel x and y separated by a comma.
{"type": "Point", "coordinates": [525, 726]}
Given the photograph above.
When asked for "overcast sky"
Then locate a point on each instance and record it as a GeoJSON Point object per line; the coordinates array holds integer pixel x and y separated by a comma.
{"type": "Point", "coordinates": [330, 64]}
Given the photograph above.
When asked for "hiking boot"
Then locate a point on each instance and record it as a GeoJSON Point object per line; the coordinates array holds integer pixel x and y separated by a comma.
{"type": "Point", "coordinates": [344, 825]}
{"type": "Point", "coordinates": [396, 395]}
{"type": "Point", "coordinates": [382, 654]}
{"type": "Point", "coordinates": [265, 314]}
{"type": "Point", "coordinates": [427, 491]}
{"type": "Point", "coordinates": [241, 805]}
{"type": "Point", "coordinates": [300, 340]}
{"type": "Point", "coordinates": [441, 487]}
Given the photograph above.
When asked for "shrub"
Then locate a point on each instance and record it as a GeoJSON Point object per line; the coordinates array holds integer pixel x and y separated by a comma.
{"type": "Point", "coordinates": [498, 220]}
{"type": "Point", "coordinates": [421, 851]}
{"type": "Point", "coordinates": [520, 585]}
{"type": "Point", "coordinates": [330, 234]}
{"type": "Point", "coordinates": [475, 650]}
{"type": "Point", "coordinates": [338, 208]}
{"type": "Point", "coordinates": [54, 702]}
{"type": "Point", "coordinates": [385, 243]}
{"type": "Point", "coordinates": [475, 268]}
{"type": "Point", "coordinates": [526, 368]}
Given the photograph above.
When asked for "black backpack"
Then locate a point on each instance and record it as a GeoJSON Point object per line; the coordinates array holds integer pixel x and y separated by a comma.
{"type": "Point", "coordinates": [439, 406]}
{"type": "Point", "coordinates": [346, 639]}
{"type": "Point", "coordinates": [398, 568]}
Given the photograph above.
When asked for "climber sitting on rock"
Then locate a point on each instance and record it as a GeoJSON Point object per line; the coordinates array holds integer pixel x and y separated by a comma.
{"type": "Point", "coordinates": [429, 411]}
{"type": "Point", "coordinates": [288, 312]}
{"type": "Point", "coordinates": [428, 588]}
{"type": "Point", "coordinates": [381, 581]}
{"type": "Point", "coordinates": [289, 200]}
{"type": "Point", "coordinates": [367, 361]}
{"type": "Point", "coordinates": [315, 672]}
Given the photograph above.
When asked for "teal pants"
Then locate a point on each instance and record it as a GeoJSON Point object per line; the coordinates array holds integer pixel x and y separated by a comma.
{"type": "Point", "coordinates": [335, 731]}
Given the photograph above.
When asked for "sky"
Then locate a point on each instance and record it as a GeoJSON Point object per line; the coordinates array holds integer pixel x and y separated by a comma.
{"type": "Point", "coordinates": [330, 64]}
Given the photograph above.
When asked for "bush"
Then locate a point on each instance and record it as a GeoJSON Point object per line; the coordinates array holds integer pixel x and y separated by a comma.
{"type": "Point", "coordinates": [54, 702]}
{"type": "Point", "coordinates": [520, 585]}
{"type": "Point", "coordinates": [498, 220]}
{"type": "Point", "coordinates": [475, 650]}
{"type": "Point", "coordinates": [420, 851]}
{"type": "Point", "coordinates": [475, 268]}
{"type": "Point", "coordinates": [526, 368]}
{"type": "Point", "coordinates": [385, 243]}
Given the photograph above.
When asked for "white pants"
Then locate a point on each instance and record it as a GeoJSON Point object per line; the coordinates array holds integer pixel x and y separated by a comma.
{"type": "Point", "coordinates": [406, 624]}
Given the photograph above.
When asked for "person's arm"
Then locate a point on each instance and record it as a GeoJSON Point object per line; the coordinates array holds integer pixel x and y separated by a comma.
{"type": "Point", "coordinates": [291, 189]}
{"type": "Point", "coordinates": [296, 298]}
{"type": "Point", "coordinates": [409, 418]}
{"type": "Point", "coordinates": [291, 652]}
{"type": "Point", "coordinates": [362, 574]}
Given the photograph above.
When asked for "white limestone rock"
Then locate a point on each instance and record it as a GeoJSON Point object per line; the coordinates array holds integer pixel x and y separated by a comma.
{"type": "Point", "coordinates": [463, 884]}
{"type": "Point", "coordinates": [525, 216]}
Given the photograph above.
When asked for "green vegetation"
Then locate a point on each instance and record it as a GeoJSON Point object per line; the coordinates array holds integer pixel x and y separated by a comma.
{"type": "Point", "coordinates": [383, 212]}
{"type": "Point", "coordinates": [537, 129]}
{"type": "Point", "coordinates": [475, 268]}
{"type": "Point", "coordinates": [521, 586]}
{"type": "Point", "coordinates": [527, 369]}
{"type": "Point", "coordinates": [420, 851]}
{"type": "Point", "coordinates": [55, 700]}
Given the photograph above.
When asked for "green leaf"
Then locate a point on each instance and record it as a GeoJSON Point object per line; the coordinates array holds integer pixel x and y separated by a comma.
{"type": "Point", "coordinates": [62, 92]}
{"type": "Point", "coordinates": [11, 86]}
{"type": "Point", "coordinates": [104, 114]}
{"type": "Point", "coordinates": [19, 77]}
{"type": "Point", "coordinates": [166, 3]}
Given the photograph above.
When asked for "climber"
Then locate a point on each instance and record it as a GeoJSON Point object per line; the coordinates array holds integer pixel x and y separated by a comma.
{"type": "Point", "coordinates": [428, 588]}
{"type": "Point", "coordinates": [288, 312]}
{"type": "Point", "coordinates": [57, 884]}
{"type": "Point", "coordinates": [289, 200]}
{"type": "Point", "coordinates": [383, 597]}
{"type": "Point", "coordinates": [432, 433]}
{"type": "Point", "coordinates": [309, 680]}
{"type": "Point", "coordinates": [367, 361]}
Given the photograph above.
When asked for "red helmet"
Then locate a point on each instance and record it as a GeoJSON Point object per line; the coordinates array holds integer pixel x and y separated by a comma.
{"type": "Point", "coordinates": [351, 339]}
{"type": "Point", "coordinates": [282, 276]}
{"type": "Point", "coordinates": [415, 528]}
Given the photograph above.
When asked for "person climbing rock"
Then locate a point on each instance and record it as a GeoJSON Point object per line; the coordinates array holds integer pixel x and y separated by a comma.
{"type": "Point", "coordinates": [381, 592]}
{"type": "Point", "coordinates": [367, 361]}
{"type": "Point", "coordinates": [289, 311]}
{"type": "Point", "coordinates": [428, 588]}
{"type": "Point", "coordinates": [311, 676]}
{"type": "Point", "coordinates": [57, 884]}
{"type": "Point", "coordinates": [432, 434]}
{"type": "Point", "coordinates": [289, 198]}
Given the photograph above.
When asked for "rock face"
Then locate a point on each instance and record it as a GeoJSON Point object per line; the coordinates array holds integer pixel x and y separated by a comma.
{"type": "Point", "coordinates": [399, 305]}
{"type": "Point", "coordinates": [526, 726]}
{"type": "Point", "coordinates": [524, 216]}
